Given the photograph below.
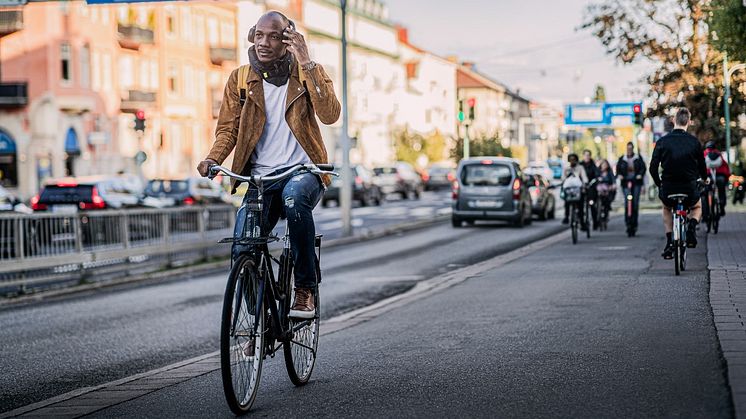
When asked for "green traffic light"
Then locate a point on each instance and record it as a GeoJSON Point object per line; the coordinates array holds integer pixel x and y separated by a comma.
{"type": "Point", "coordinates": [461, 116]}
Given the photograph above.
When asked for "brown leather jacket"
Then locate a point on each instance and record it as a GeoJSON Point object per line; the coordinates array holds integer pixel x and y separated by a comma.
{"type": "Point", "coordinates": [310, 93]}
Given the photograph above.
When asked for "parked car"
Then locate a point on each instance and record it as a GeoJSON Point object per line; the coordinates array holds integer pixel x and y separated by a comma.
{"type": "Point", "coordinates": [400, 178]}
{"type": "Point", "coordinates": [490, 188]}
{"type": "Point", "coordinates": [542, 198]}
{"type": "Point", "coordinates": [86, 193]}
{"type": "Point", "coordinates": [186, 191]}
{"type": "Point", "coordinates": [363, 188]}
{"type": "Point", "coordinates": [10, 203]}
{"type": "Point", "coordinates": [439, 176]}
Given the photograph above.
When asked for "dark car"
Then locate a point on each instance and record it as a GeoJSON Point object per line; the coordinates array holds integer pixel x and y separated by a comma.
{"type": "Point", "coordinates": [400, 179]}
{"type": "Point", "coordinates": [187, 191]}
{"type": "Point", "coordinates": [490, 188]}
{"type": "Point", "coordinates": [438, 176]}
{"type": "Point", "coordinates": [86, 193]}
{"type": "Point", "coordinates": [363, 188]}
{"type": "Point", "coordinates": [542, 198]}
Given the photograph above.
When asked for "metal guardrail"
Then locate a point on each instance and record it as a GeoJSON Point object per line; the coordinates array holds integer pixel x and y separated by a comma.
{"type": "Point", "coordinates": [39, 247]}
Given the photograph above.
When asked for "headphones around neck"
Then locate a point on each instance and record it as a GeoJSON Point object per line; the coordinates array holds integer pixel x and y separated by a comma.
{"type": "Point", "coordinates": [252, 31]}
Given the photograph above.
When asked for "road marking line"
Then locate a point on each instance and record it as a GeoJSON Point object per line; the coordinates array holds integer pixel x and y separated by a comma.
{"type": "Point", "coordinates": [208, 363]}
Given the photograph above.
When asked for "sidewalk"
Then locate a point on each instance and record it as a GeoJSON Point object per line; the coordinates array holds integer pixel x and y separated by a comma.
{"type": "Point", "coordinates": [600, 329]}
{"type": "Point", "coordinates": [726, 254]}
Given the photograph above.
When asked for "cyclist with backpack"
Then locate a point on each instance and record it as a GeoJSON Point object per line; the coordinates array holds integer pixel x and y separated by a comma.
{"type": "Point", "coordinates": [714, 159]}
{"type": "Point", "coordinates": [268, 116]}
{"type": "Point", "coordinates": [630, 169]}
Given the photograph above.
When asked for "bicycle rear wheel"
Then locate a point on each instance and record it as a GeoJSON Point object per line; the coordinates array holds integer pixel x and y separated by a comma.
{"type": "Point", "coordinates": [242, 336]}
{"type": "Point", "coordinates": [574, 224]}
{"type": "Point", "coordinates": [677, 256]}
{"type": "Point", "coordinates": [300, 351]}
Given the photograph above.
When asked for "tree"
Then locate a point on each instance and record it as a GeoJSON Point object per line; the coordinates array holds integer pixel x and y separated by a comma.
{"type": "Point", "coordinates": [728, 27]}
{"type": "Point", "coordinates": [481, 146]}
{"type": "Point", "coordinates": [672, 35]}
{"type": "Point", "coordinates": [409, 147]}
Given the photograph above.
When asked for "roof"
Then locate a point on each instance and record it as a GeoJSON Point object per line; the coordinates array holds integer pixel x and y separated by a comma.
{"type": "Point", "coordinates": [468, 78]}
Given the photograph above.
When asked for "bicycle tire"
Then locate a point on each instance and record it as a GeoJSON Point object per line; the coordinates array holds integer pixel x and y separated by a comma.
{"type": "Point", "coordinates": [300, 360]}
{"type": "Point", "coordinates": [233, 354]}
{"type": "Point", "coordinates": [682, 262]}
{"type": "Point", "coordinates": [574, 224]}
{"type": "Point", "coordinates": [676, 255]}
{"type": "Point", "coordinates": [587, 220]}
{"type": "Point", "coordinates": [716, 216]}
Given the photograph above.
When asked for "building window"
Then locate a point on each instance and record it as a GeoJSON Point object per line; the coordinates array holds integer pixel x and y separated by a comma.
{"type": "Point", "coordinates": [212, 31]}
{"type": "Point", "coordinates": [85, 66]}
{"type": "Point", "coordinates": [107, 72]}
{"type": "Point", "coordinates": [126, 72]}
{"type": "Point", "coordinates": [173, 85]}
{"type": "Point", "coordinates": [171, 22]}
{"type": "Point", "coordinates": [96, 67]}
{"type": "Point", "coordinates": [8, 164]}
{"type": "Point", "coordinates": [65, 56]}
{"type": "Point", "coordinates": [153, 74]}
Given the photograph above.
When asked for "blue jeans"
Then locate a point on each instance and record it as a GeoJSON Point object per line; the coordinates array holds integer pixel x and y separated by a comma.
{"type": "Point", "coordinates": [295, 198]}
{"type": "Point", "coordinates": [632, 218]}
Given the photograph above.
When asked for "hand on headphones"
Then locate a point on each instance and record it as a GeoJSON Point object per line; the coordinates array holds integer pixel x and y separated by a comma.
{"type": "Point", "coordinates": [296, 44]}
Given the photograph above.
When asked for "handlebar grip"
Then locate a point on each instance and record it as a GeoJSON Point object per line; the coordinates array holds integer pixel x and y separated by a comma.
{"type": "Point", "coordinates": [326, 167]}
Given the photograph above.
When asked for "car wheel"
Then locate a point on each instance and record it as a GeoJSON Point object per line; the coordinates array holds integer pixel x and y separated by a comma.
{"type": "Point", "coordinates": [544, 214]}
{"type": "Point", "coordinates": [324, 203]}
{"type": "Point", "coordinates": [404, 194]}
{"type": "Point", "coordinates": [456, 222]}
{"type": "Point", "coordinates": [470, 222]}
{"type": "Point", "coordinates": [552, 211]}
{"type": "Point", "coordinates": [529, 218]}
{"type": "Point", "coordinates": [417, 193]}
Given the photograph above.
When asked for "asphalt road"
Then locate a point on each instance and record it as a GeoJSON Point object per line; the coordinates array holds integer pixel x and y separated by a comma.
{"type": "Point", "coordinates": [55, 347]}
{"type": "Point", "coordinates": [600, 329]}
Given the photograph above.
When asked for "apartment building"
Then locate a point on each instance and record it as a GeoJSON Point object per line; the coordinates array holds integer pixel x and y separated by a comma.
{"type": "Point", "coordinates": [73, 75]}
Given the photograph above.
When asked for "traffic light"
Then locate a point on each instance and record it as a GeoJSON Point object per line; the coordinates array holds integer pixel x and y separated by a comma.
{"type": "Point", "coordinates": [140, 120]}
{"type": "Point", "coordinates": [460, 115]}
{"type": "Point", "coordinates": [637, 110]}
{"type": "Point", "coordinates": [472, 104]}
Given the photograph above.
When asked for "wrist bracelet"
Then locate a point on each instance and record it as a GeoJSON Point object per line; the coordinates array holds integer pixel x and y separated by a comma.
{"type": "Point", "coordinates": [310, 66]}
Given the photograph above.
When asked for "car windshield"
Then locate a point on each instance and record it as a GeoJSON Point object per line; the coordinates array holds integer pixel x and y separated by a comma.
{"type": "Point", "coordinates": [384, 171]}
{"type": "Point", "coordinates": [62, 194]}
{"type": "Point", "coordinates": [167, 186]}
{"type": "Point", "coordinates": [486, 175]}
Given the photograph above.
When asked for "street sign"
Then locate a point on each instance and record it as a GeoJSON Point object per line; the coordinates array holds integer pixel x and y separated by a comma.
{"type": "Point", "coordinates": [602, 113]}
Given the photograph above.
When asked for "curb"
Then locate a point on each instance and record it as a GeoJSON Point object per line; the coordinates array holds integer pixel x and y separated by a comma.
{"type": "Point", "coordinates": [88, 400]}
{"type": "Point", "coordinates": [209, 267]}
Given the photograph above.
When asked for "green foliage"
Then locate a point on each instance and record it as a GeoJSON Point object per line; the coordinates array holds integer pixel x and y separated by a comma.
{"type": "Point", "coordinates": [410, 146]}
{"type": "Point", "coordinates": [481, 146]}
{"type": "Point", "coordinates": [673, 36]}
{"type": "Point", "coordinates": [600, 94]}
{"type": "Point", "coordinates": [728, 27]}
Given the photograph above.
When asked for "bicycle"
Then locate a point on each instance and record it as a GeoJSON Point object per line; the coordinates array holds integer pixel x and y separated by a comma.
{"type": "Point", "coordinates": [255, 320]}
{"type": "Point", "coordinates": [678, 237]}
{"type": "Point", "coordinates": [604, 196]}
{"type": "Point", "coordinates": [712, 204]}
{"type": "Point", "coordinates": [629, 209]}
{"type": "Point", "coordinates": [572, 196]}
{"type": "Point", "coordinates": [589, 203]}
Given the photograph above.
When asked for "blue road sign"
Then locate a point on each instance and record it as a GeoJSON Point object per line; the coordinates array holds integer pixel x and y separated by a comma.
{"type": "Point", "coordinates": [123, 1]}
{"type": "Point", "coordinates": [599, 113]}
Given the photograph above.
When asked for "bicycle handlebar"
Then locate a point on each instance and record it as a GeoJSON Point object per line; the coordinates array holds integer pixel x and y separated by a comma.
{"type": "Point", "coordinates": [317, 169]}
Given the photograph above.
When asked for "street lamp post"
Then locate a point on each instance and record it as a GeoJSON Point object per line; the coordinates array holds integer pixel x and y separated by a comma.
{"type": "Point", "coordinates": [727, 74]}
{"type": "Point", "coordinates": [345, 193]}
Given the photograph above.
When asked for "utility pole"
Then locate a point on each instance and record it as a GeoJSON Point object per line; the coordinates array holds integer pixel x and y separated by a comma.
{"type": "Point", "coordinates": [345, 193]}
{"type": "Point", "coordinates": [466, 140]}
{"type": "Point", "coordinates": [727, 74]}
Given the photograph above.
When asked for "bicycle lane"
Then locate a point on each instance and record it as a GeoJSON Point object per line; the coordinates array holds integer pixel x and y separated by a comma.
{"type": "Point", "coordinates": [603, 328]}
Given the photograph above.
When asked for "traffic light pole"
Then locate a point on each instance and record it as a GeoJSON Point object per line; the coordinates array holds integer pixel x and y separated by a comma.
{"type": "Point", "coordinates": [466, 140]}
{"type": "Point", "coordinates": [345, 193]}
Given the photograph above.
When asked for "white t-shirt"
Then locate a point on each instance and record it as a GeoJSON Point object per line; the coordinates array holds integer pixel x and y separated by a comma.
{"type": "Point", "coordinates": [277, 147]}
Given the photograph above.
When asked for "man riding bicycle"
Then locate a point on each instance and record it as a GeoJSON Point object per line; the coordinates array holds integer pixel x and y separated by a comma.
{"type": "Point", "coordinates": [680, 156]}
{"type": "Point", "coordinates": [271, 123]}
{"type": "Point", "coordinates": [592, 172]}
{"type": "Point", "coordinates": [631, 169]}
{"type": "Point", "coordinates": [578, 171]}
{"type": "Point", "coordinates": [714, 159]}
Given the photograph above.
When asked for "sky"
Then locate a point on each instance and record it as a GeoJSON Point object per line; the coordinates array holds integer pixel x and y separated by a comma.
{"type": "Point", "coordinates": [531, 45]}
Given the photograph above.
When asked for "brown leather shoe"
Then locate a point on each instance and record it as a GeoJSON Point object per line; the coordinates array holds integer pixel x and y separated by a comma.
{"type": "Point", "coordinates": [304, 306]}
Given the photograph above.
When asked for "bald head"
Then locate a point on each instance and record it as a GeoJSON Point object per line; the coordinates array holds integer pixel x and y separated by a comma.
{"type": "Point", "coordinates": [268, 36]}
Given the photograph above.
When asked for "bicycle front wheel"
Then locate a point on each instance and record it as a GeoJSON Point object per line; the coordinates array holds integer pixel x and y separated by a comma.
{"type": "Point", "coordinates": [242, 336]}
{"type": "Point", "coordinates": [574, 224]}
{"type": "Point", "coordinates": [300, 351]}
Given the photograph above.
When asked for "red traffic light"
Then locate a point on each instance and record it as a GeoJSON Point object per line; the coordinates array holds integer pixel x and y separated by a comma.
{"type": "Point", "coordinates": [140, 114]}
{"type": "Point", "coordinates": [471, 102]}
{"type": "Point", "coordinates": [636, 108]}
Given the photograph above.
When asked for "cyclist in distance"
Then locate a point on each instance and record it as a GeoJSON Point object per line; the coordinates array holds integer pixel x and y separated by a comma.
{"type": "Point", "coordinates": [606, 180]}
{"type": "Point", "coordinates": [631, 168]}
{"type": "Point", "coordinates": [591, 171]}
{"type": "Point", "coordinates": [575, 169]}
{"type": "Point", "coordinates": [713, 158]}
{"type": "Point", "coordinates": [680, 156]}
{"type": "Point", "coordinates": [271, 124]}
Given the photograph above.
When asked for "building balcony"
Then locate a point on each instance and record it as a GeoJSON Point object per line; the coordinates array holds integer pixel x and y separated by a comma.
{"type": "Point", "coordinates": [132, 37]}
{"type": "Point", "coordinates": [13, 94]}
{"type": "Point", "coordinates": [219, 55]}
{"type": "Point", "coordinates": [132, 100]}
{"type": "Point", "coordinates": [10, 21]}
